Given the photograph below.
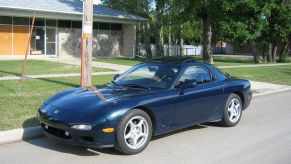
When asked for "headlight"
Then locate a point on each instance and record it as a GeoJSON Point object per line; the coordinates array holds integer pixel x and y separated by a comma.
{"type": "Point", "coordinates": [82, 127]}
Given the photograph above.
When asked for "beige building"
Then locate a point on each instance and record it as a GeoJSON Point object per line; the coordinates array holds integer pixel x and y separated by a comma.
{"type": "Point", "coordinates": [57, 30]}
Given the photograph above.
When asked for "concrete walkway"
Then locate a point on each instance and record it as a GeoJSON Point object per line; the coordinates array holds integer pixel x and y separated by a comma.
{"type": "Point", "coordinates": [68, 60]}
{"type": "Point", "coordinates": [261, 88]}
{"type": "Point", "coordinates": [254, 65]}
{"type": "Point", "coordinates": [5, 78]}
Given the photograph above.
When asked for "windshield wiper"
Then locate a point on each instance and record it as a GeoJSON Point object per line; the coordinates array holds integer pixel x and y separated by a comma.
{"type": "Point", "coordinates": [114, 82]}
{"type": "Point", "coordinates": [135, 86]}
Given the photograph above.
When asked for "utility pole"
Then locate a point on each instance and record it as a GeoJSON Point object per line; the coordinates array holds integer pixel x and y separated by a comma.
{"type": "Point", "coordinates": [86, 57]}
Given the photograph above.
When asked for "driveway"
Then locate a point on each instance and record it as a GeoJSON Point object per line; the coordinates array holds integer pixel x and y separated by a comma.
{"type": "Point", "coordinates": [263, 136]}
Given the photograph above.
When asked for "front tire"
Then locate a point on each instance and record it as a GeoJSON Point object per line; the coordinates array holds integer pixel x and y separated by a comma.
{"type": "Point", "coordinates": [134, 132]}
{"type": "Point", "coordinates": [233, 111]}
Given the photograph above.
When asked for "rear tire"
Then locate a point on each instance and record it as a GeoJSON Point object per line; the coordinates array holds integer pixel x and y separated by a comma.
{"type": "Point", "coordinates": [134, 132]}
{"type": "Point", "coordinates": [232, 111]}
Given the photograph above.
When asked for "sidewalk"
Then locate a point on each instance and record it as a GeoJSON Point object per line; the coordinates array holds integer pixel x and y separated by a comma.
{"type": "Point", "coordinates": [5, 78]}
{"type": "Point", "coordinates": [261, 88]}
{"type": "Point", "coordinates": [254, 65]}
{"type": "Point", "coordinates": [68, 60]}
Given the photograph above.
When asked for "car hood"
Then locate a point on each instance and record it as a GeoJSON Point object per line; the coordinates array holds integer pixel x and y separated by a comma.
{"type": "Point", "coordinates": [85, 96]}
{"type": "Point", "coordinates": [84, 103]}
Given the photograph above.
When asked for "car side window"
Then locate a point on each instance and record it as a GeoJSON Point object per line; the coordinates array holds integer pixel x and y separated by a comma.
{"type": "Point", "coordinates": [199, 74]}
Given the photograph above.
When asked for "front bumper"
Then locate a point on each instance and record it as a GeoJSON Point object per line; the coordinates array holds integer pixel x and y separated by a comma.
{"type": "Point", "coordinates": [64, 133]}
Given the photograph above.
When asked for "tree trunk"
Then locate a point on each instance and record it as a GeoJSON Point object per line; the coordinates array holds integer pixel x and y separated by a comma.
{"type": "Point", "coordinates": [170, 42]}
{"type": "Point", "coordinates": [138, 39]}
{"type": "Point", "coordinates": [274, 54]}
{"type": "Point", "coordinates": [255, 52]}
{"type": "Point", "coordinates": [264, 53]}
{"type": "Point", "coordinates": [159, 25]}
{"type": "Point", "coordinates": [283, 53]}
{"type": "Point", "coordinates": [162, 41]}
{"type": "Point", "coordinates": [269, 55]}
{"type": "Point", "coordinates": [147, 40]}
{"type": "Point", "coordinates": [181, 40]}
{"type": "Point", "coordinates": [207, 36]}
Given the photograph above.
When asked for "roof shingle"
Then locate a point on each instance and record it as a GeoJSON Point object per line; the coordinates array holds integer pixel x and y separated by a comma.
{"type": "Point", "coordinates": [65, 6]}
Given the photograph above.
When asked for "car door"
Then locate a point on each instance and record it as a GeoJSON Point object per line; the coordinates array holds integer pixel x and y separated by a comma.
{"type": "Point", "coordinates": [200, 102]}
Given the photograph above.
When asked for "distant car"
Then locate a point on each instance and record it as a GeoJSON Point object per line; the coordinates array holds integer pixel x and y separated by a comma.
{"type": "Point", "coordinates": [150, 99]}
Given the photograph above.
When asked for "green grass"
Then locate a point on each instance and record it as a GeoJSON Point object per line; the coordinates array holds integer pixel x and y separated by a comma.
{"type": "Point", "coordinates": [14, 67]}
{"type": "Point", "coordinates": [19, 109]}
{"type": "Point", "coordinates": [273, 74]}
{"type": "Point", "coordinates": [218, 60]}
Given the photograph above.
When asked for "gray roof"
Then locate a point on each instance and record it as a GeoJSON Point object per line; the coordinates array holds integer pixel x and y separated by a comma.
{"type": "Point", "coordinates": [65, 7]}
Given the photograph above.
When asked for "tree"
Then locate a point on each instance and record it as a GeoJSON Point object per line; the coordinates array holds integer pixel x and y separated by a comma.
{"type": "Point", "coordinates": [278, 28]}
{"type": "Point", "coordinates": [262, 24]}
{"type": "Point", "coordinates": [242, 22]}
{"type": "Point", "coordinates": [208, 12]}
{"type": "Point", "coordinates": [160, 5]}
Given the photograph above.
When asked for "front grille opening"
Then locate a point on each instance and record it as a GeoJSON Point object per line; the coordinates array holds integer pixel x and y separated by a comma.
{"type": "Point", "coordinates": [56, 132]}
{"type": "Point", "coordinates": [86, 139]}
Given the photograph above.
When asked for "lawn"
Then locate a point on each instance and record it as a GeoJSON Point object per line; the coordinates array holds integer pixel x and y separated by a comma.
{"type": "Point", "coordinates": [218, 60]}
{"type": "Point", "coordinates": [271, 74]}
{"type": "Point", "coordinates": [19, 109]}
{"type": "Point", "coordinates": [14, 67]}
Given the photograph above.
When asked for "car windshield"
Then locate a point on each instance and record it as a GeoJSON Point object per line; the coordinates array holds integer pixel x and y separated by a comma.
{"type": "Point", "coordinates": [149, 75]}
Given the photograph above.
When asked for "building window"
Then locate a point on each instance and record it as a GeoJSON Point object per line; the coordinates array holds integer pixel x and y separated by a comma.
{"type": "Point", "coordinates": [95, 25]}
{"type": "Point", "coordinates": [51, 23]}
{"type": "Point", "coordinates": [104, 26]}
{"type": "Point", "coordinates": [116, 27]}
{"type": "Point", "coordinates": [5, 20]}
{"type": "Point", "coordinates": [76, 24]}
{"type": "Point", "coordinates": [20, 21]}
{"type": "Point", "coordinates": [38, 22]}
{"type": "Point", "coordinates": [65, 23]}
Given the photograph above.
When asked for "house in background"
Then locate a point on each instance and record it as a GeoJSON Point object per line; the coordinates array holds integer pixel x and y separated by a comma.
{"type": "Point", "coordinates": [58, 29]}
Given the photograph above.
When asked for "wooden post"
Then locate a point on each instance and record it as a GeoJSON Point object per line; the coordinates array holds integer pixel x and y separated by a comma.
{"type": "Point", "coordinates": [87, 41]}
{"type": "Point", "coordinates": [22, 77]}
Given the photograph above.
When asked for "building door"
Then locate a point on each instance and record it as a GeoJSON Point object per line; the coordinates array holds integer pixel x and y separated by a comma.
{"type": "Point", "coordinates": [20, 39]}
{"type": "Point", "coordinates": [51, 41]}
{"type": "Point", "coordinates": [5, 39]}
{"type": "Point", "coordinates": [38, 38]}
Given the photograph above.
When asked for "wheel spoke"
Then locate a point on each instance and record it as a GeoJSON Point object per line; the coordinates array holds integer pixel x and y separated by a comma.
{"type": "Point", "coordinates": [230, 104]}
{"type": "Point", "coordinates": [231, 115]}
{"type": "Point", "coordinates": [134, 141]}
{"type": "Point", "coordinates": [237, 106]}
{"type": "Point", "coordinates": [143, 135]}
{"type": "Point", "coordinates": [140, 124]}
{"type": "Point", "coordinates": [127, 136]}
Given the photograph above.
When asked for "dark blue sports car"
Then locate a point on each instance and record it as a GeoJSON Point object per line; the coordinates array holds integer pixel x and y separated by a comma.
{"type": "Point", "coordinates": [150, 99]}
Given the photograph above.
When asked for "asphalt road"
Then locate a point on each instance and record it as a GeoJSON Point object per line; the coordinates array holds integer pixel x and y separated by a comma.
{"type": "Point", "coordinates": [262, 136]}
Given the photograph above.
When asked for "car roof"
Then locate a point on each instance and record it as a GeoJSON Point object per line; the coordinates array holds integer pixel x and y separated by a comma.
{"type": "Point", "coordinates": [173, 60]}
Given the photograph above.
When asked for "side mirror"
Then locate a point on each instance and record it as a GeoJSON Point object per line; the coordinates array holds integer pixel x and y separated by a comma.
{"type": "Point", "coordinates": [190, 84]}
{"type": "Point", "coordinates": [180, 84]}
{"type": "Point", "coordinates": [213, 78]}
{"type": "Point", "coordinates": [115, 76]}
{"type": "Point", "coordinates": [186, 84]}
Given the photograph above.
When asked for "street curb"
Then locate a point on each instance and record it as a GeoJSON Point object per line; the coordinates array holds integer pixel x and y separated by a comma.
{"type": "Point", "coordinates": [22, 134]}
